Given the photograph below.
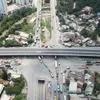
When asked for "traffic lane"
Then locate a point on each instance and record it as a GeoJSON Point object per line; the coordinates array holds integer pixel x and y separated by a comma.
{"type": "Point", "coordinates": [51, 65]}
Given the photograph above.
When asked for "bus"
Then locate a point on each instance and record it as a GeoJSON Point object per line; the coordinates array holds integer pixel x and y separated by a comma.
{"type": "Point", "coordinates": [61, 88]}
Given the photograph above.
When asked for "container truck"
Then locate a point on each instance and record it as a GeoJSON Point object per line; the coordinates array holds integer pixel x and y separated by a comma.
{"type": "Point", "coordinates": [60, 87]}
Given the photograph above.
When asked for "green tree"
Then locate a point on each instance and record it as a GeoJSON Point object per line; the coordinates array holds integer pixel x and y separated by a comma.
{"type": "Point", "coordinates": [68, 97]}
{"type": "Point", "coordinates": [85, 33]}
{"type": "Point", "coordinates": [30, 40]}
{"type": "Point", "coordinates": [19, 97]}
{"type": "Point", "coordinates": [9, 43]}
{"type": "Point", "coordinates": [4, 75]}
{"type": "Point", "coordinates": [84, 86]}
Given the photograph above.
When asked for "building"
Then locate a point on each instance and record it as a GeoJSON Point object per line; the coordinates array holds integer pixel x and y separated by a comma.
{"type": "Point", "coordinates": [3, 7]}
{"type": "Point", "coordinates": [12, 8]}
{"type": "Point", "coordinates": [73, 86]}
{"type": "Point", "coordinates": [22, 2]}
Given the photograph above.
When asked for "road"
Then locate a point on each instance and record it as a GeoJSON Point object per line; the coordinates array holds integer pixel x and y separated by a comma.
{"type": "Point", "coordinates": [54, 25]}
{"type": "Point", "coordinates": [32, 69]}
{"type": "Point", "coordinates": [38, 21]}
{"type": "Point", "coordinates": [86, 52]}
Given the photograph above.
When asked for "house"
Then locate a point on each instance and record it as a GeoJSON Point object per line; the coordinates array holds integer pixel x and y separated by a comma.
{"type": "Point", "coordinates": [21, 38]}
{"type": "Point", "coordinates": [91, 43]}
{"type": "Point", "coordinates": [89, 79]}
{"type": "Point", "coordinates": [85, 40]}
{"type": "Point", "coordinates": [73, 86]}
{"type": "Point", "coordinates": [67, 44]}
{"type": "Point", "coordinates": [86, 9]}
{"type": "Point", "coordinates": [12, 8]}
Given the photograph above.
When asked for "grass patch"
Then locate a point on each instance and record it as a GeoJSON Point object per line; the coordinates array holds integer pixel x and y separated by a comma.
{"type": "Point", "coordinates": [28, 28]}
{"type": "Point", "coordinates": [43, 24]}
{"type": "Point", "coordinates": [48, 26]}
{"type": "Point", "coordinates": [42, 36]}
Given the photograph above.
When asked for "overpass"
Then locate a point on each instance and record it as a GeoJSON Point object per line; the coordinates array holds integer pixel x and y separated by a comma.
{"type": "Point", "coordinates": [30, 51]}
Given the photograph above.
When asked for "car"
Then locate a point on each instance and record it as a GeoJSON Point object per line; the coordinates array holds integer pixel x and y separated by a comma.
{"type": "Point", "coordinates": [52, 75]}
{"type": "Point", "coordinates": [55, 57]}
{"type": "Point", "coordinates": [34, 44]}
{"type": "Point", "coordinates": [65, 71]}
{"type": "Point", "coordinates": [59, 64]}
{"type": "Point", "coordinates": [46, 46]}
{"type": "Point", "coordinates": [49, 70]}
{"type": "Point", "coordinates": [42, 45]}
{"type": "Point", "coordinates": [97, 64]}
{"type": "Point", "coordinates": [68, 67]}
{"type": "Point", "coordinates": [57, 75]}
{"type": "Point", "coordinates": [43, 41]}
{"type": "Point", "coordinates": [65, 90]}
{"type": "Point", "coordinates": [84, 66]}
{"type": "Point", "coordinates": [58, 88]}
{"type": "Point", "coordinates": [37, 30]}
{"type": "Point", "coordinates": [61, 71]}
{"type": "Point", "coordinates": [63, 74]}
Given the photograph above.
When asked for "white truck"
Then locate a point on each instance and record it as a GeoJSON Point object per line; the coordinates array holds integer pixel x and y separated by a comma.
{"type": "Point", "coordinates": [63, 78]}
{"type": "Point", "coordinates": [65, 97]}
{"type": "Point", "coordinates": [56, 64]}
{"type": "Point", "coordinates": [40, 59]}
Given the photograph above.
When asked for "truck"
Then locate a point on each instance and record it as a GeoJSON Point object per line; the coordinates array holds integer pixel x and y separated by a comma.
{"type": "Point", "coordinates": [56, 64]}
{"type": "Point", "coordinates": [88, 62]}
{"type": "Point", "coordinates": [40, 59]}
{"type": "Point", "coordinates": [45, 65]}
{"type": "Point", "coordinates": [63, 78]}
{"type": "Point", "coordinates": [60, 88]}
{"type": "Point", "coordinates": [55, 98]}
{"type": "Point", "coordinates": [65, 97]}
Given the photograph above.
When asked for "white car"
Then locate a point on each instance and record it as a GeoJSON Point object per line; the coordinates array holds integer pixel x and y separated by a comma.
{"type": "Point", "coordinates": [61, 71]}
{"type": "Point", "coordinates": [52, 75]}
{"type": "Point", "coordinates": [59, 64]}
{"type": "Point", "coordinates": [68, 67]}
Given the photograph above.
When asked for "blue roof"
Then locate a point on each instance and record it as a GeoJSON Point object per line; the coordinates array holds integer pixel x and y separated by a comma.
{"type": "Point", "coordinates": [54, 89]}
{"type": "Point", "coordinates": [98, 13]}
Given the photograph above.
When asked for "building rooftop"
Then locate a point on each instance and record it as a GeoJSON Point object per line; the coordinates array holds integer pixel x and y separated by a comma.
{"type": "Point", "coordinates": [73, 86]}
{"type": "Point", "coordinates": [12, 7]}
